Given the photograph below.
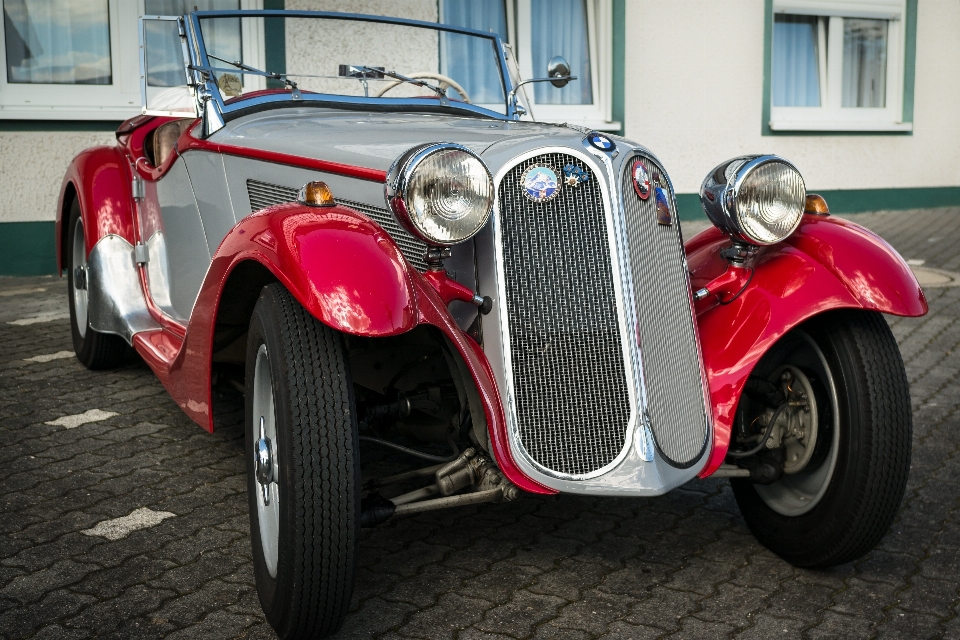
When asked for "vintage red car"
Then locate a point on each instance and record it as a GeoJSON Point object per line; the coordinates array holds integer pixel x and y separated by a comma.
{"type": "Point", "coordinates": [392, 251]}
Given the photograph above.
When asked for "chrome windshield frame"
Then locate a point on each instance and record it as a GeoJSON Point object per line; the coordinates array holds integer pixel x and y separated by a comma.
{"type": "Point", "coordinates": [237, 107]}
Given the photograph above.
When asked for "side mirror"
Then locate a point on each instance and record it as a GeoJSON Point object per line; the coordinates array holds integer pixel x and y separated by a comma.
{"type": "Point", "coordinates": [559, 68]}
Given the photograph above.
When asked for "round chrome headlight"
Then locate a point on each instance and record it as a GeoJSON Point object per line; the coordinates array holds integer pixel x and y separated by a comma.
{"type": "Point", "coordinates": [441, 193]}
{"type": "Point", "coordinates": [756, 199]}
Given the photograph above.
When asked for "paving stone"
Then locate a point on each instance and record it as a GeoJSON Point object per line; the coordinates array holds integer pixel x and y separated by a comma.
{"type": "Point", "coordinates": [452, 613]}
{"type": "Point", "coordinates": [520, 615]}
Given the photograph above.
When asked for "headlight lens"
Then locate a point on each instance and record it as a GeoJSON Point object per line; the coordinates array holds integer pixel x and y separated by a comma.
{"type": "Point", "coordinates": [441, 193]}
{"type": "Point", "coordinates": [758, 199]}
{"type": "Point", "coordinates": [770, 202]}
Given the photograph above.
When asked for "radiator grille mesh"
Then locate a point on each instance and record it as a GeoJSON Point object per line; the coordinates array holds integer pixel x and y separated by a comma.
{"type": "Point", "coordinates": [570, 388]}
{"type": "Point", "coordinates": [671, 363]}
{"type": "Point", "coordinates": [263, 195]}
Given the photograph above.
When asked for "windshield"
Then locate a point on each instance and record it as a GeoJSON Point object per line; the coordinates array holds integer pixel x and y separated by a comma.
{"type": "Point", "coordinates": [323, 57]}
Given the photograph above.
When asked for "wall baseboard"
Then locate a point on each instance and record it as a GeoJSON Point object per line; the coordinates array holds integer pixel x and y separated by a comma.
{"type": "Point", "coordinates": [27, 249]}
{"type": "Point", "coordinates": [854, 200]}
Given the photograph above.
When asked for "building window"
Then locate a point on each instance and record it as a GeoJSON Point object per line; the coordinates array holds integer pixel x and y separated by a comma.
{"type": "Point", "coordinates": [837, 65]}
{"type": "Point", "coordinates": [579, 30]}
{"type": "Point", "coordinates": [79, 59]}
{"type": "Point", "coordinates": [57, 42]}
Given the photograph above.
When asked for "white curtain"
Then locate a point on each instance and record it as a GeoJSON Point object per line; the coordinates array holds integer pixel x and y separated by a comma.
{"type": "Point", "coordinates": [559, 28]}
{"type": "Point", "coordinates": [864, 62]}
{"type": "Point", "coordinates": [796, 70]}
{"type": "Point", "coordinates": [471, 61]}
{"type": "Point", "coordinates": [221, 37]}
{"type": "Point", "coordinates": [57, 41]}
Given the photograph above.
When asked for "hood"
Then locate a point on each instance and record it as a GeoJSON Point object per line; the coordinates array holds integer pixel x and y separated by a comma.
{"type": "Point", "coordinates": [375, 140]}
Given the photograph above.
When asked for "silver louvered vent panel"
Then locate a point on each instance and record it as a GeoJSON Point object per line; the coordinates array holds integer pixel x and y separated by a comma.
{"type": "Point", "coordinates": [264, 194]}
{"type": "Point", "coordinates": [569, 379]}
{"type": "Point", "coordinates": [668, 340]}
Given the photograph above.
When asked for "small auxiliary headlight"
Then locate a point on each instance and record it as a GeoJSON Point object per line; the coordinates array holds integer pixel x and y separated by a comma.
{"type": "Point", "coordinates": [755, 199]}
{"type": "Point", "coordinates": [316, 194]}
{"type": "Point", "coordinates": [442, 193]}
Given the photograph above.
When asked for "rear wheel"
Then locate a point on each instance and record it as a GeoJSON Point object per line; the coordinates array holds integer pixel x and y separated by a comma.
{"type": "Point", "coordinates": [94, 349]}
{"type": "Point", "coordinates": [302, 467]}
{"type": "Point", "coordinates": [844, 449]}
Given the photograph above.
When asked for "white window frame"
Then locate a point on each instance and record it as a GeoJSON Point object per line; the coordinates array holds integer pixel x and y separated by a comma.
{"type": "Point", "coordinates": [600, 36]}
{"type": "Point", "coordinates": [117, 101]}
{"type": "Point", "coordinates": [831, 115]}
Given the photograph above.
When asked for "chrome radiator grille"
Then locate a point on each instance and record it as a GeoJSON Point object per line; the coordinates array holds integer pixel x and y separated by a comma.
{"type": "Point", "coordinates": [264, 194]}
{"type": "Point", "coordinates": [668, 339]}
{"type": "Point", "coordinates": [569, 378]}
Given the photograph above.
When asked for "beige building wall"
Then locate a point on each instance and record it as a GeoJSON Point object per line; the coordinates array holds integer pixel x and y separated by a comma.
{"type": "Point", "coordinates": [33, 164]}
{"type": "Point", "coordinates": [694, 96]}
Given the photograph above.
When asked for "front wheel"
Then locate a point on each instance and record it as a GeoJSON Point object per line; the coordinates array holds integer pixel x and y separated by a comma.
{"type": "Point", "coordinates": [844, 451]}
{"type": "Point", "coordinates": [302, 467]}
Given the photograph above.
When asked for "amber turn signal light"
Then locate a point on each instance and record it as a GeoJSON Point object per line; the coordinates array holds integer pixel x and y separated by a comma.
{"type": "Point", "coordinates": [816, 205]}
{"type": "Point", "coordinates": [316, 194]}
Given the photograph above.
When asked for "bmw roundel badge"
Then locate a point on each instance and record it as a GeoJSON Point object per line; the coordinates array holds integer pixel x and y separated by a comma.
{"type": "Point", "coordinates": [664, 216]}
{"type": "Point", "coordinates": [641, 179]}
{"type": "Point", "coordinates": [601, 142]}
{"type": "Point", "coordinates": [540, 183]}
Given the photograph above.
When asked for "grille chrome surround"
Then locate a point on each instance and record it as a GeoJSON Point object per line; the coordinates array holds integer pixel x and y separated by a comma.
{"type": "Point", "coordinates": [264, 194]}
{"type": "Point", "coordinates": [671, 461]}
{"type": "Point", "coordinates": [546, 317]}
{"type": "Point", "coordinates": [666, 329]}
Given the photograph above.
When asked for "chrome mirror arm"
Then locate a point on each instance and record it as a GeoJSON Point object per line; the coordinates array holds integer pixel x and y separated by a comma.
{"type": "Point", "coordinates": [515, 108]}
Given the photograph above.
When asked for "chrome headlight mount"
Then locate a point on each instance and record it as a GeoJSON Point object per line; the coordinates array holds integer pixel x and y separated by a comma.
{"type": "Point", "coordinates": [755, 199]}
{"type": "Point", "coordinates": [442, 193]}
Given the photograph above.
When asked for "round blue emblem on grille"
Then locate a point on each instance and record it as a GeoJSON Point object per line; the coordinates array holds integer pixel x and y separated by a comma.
{"type": "Point", "coordinates": [540, 183]}
{"type": "Point", "coordinates": [601, 142]}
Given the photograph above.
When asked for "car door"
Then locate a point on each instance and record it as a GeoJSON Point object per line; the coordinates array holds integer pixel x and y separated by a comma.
{"type": "Point", "coordinates": [171, 227]}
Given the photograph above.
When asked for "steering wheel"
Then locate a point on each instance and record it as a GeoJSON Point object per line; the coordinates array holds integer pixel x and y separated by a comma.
{"type": "Point", "coordinates": [445, 82]}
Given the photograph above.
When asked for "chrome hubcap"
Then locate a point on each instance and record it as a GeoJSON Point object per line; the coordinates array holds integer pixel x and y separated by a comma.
{"type": "Point", "coordinates": [806, 479]}
{"type": "Point", "coordinates": [265, 466]}
{"type": "Point", "coordinates": [78, 285]}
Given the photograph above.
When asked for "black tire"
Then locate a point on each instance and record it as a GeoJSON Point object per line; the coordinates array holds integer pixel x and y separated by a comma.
{"type": "Point", "coordinates": [873, 444]}
{"type": "Point", "coordinates": [95, 350]}
{"type": "Point", "coordinates": [319, 471]}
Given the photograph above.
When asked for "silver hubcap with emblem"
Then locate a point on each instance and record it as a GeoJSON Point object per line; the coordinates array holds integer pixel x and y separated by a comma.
{"type": "Point", "coordinates": [78, 280]}
{"type": "Point", "coordinates": [265, 461]}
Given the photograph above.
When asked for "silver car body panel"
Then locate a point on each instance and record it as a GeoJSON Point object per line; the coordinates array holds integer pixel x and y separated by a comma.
{"type": "Point", "coordinates": [364, 139]}
{"type": "Point", "coordinates": [116, 303]}
{"type": "Point", "coordinates": [184, 249]}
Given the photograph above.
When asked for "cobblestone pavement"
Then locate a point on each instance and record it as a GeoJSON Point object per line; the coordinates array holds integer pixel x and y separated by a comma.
{"type": "Point", "coordinates": [566, 567]}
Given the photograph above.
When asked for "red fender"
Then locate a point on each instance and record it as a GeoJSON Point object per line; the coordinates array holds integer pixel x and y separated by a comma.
{"type": "Point", "coordinates": [101, 179]}
{"type": "Point", "coordinates": [828, 263]}
{"type": "Point", "coordinates": [349, 274]}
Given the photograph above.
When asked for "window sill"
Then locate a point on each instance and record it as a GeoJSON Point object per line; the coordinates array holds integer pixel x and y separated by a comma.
{"type": "Point", "coordinates": [71, 113]}
{"type": "Point", "coordinates": [839, 125]}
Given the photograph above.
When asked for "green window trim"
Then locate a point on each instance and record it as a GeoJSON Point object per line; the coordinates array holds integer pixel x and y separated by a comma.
{"type": "Point", "coordinates": [619, 53]}
{"type": "Point", "coordinates": [909, 75]}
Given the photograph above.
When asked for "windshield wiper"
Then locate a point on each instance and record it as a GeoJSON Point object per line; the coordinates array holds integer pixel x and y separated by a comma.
{"type": "Point", "coordinates": [441, 94]}
{"type": "Point", "coordinates": [294, 89]}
